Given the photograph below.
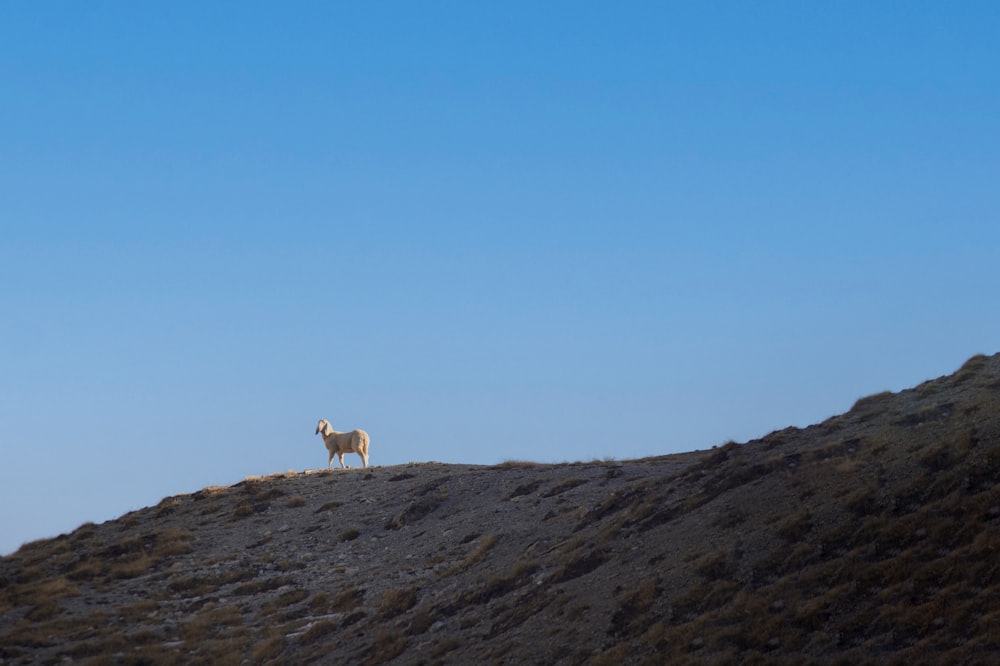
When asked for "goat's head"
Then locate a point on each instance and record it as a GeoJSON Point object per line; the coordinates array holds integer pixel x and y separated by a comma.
{"type": "Point", "coordinates": [322, 426]}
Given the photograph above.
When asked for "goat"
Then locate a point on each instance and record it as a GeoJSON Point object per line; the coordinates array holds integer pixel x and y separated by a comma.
{"type": "Point", "coordinates": [339, 443]}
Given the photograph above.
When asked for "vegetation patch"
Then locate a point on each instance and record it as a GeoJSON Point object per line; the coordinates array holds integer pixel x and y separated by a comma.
{"type": "Point", "coordinates": [415, 511]}
{"type": "Point", "coordinates": [346, 600]}
{"type": "Point", "coordinates": [284, 600]}
{"type": "Point", "coordinates": [318, 630]}
{"type": "Point", "coordinates": [926, 414]}
{"type": "Point", "coordinates": [872, 405]}
{"type": "Point", "coordinates": [474, 556]}
{"type": "Point", "coordinates": [516, 464]}
{"type": "Point", "coordinates": [497, 585]}
{"type": "Point", "coordinates": [581, 565]}
{"type": "Point", "coordinates": [617, 501]}
{"type": "Point", "coordinates": [563, 486]}
{"type": "Point", "coordinates": [796, 528]}
{"type": "Point", "coordinates": [350, 534]}
{"type": "Point", "coordinates": [199, 585]}
{"type": "Point", "coordinates": [525, 489]}
{"type": "Point", "coordinates": [209, 623]}
{"type": "Point", "coordinates": [329, 506]}
{"type": "Point", "coordinates": [396, 602]}
{"type": "Point", "coordinates": [387, 645]}
{"type": "Point", "coordinates": [255, 585]}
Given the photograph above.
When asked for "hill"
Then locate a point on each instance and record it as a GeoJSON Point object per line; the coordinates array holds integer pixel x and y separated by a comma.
{"type": "Point", "coordinates": [873, 537]}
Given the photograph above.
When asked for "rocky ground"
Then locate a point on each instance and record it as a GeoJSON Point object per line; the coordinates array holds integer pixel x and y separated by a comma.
{"type": "Point", "coordinates": [873, 537]}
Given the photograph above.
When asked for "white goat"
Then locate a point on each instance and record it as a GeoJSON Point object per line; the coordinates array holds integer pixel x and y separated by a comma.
{"type": "Point", "coordinates": [340, 443]}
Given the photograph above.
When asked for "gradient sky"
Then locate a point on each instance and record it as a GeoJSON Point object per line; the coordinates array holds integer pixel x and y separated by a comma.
{"type": "Point", "coordinates": [550, 231]}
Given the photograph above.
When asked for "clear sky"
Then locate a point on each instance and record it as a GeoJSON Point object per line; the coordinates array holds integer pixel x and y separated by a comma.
{"type": "Point", "coordinates": [552, 231]}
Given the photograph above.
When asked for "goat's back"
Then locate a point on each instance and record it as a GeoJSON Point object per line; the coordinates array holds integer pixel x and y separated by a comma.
{"type": "Point", "coordinates": [355, 441]}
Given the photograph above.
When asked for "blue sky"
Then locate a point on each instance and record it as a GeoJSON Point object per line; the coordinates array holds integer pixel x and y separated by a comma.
{"type": "Point", "coordinates": [481, 231]}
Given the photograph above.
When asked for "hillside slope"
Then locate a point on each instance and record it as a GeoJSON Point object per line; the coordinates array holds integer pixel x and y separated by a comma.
{"type": "Point", "coordinates": [873, 537]}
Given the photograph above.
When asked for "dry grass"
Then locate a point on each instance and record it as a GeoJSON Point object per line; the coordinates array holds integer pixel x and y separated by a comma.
{"type": "Point", "coordinates": [59, 630]}
{"type": "Point", "coordinates": [633, 617]}
{"type": "Point", "coordinates": [416, 510]}
{"type": "Point", "coordinates": [497, 585]}
{"type": "Point", "coordinates": [525, 489]}
{"type": "Point", "coordinates": [199, 585]}
{"type": "Point", "coordinates": [211, 492]}
{"type": "Point", "coordinates": [210, 623]}
{"type": "Point", "coordinates": [577, 563]}
{"type": "Point", "coordinates": [319, 630]}
{"type": "Point", "coordinates": [563, 486]}
{"type": "Point", "coordinates": [258, 585]}
{"type": "Point", "coordinates": [350, 534]}
{"type": "Point", "coordinates": [396, 602]}
{"type": "Point", "coordinates": [388, 644]}
{"type": "Point", "coordinates": [346, 600]}
{"type": "Point", "coordinates": [613, 656]}
{"type": "Point", "coordinates": [795, 528]}
{"type": "Point", "coordinates": [319, 603]}
{"type": "Point", "coordinates": [138, 612]}
{"type": "Point", "coordinates": [243, 510]}
{"type": "Point", "coordinates": [873, 403]}
{"type": "Point", "coordinates": [516, 464]}
{"type": "Point", "coordinates": [474, 556]}
{"type": "Point", "coordinates": [284, 600]}
{"type": "Point", "coordinates": [168, 505]}
{"type": "Point", "coordinates": [329, 506]}
{"type": "Point", "coordinates": [444, 646]}
{"type": "Point", "coordinates": [268, 649]}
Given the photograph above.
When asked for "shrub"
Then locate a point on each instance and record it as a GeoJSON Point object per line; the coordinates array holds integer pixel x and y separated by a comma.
{"type": "Point", "coordinates": [473, 556]}
{"type": "Point", "coordinates": [286, 599]}
{"type": "Point", "coordinates": [269, 648]}
{"type": "Point", "coordinates": [525, 489]}
{"type": "Point", "coordinates": [796, 527]}
{"type": "Point", "coordinates": [515, 464]}
{"type": "Point", "coordinates": [243, 509]}
{"type": "Point", "coordinates": [347, 599]}
{"type": "Point", "coordinates": [329, 506]}
{"type": "Point", "coordinates": [397, 601]}
{"type": "Point", "coordinates": [207, 624]}
{"type": "Point", "coordinates": [387, 645]}
{"type": "Point", "coordinates": [350, 534]}
{"type": "Point", "coordinates": [563, 486]}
